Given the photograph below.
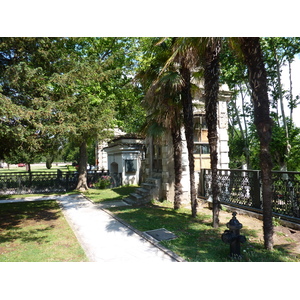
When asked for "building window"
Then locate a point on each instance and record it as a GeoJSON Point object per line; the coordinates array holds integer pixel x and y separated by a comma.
{"type": "Point", "coordinates": [201, 149]}
{"type": "Point", "coordinates": [129, 166]}
{"type": "Point", "coordinates": [199, 122]}
{"type": "Point", "coordinates": [200, 129]}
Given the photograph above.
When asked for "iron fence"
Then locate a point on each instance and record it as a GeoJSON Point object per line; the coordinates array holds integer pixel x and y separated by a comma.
{"type": "Point", "coordinates": [243, 188]}
{"type": "Point", "coordinates": [48, 182]}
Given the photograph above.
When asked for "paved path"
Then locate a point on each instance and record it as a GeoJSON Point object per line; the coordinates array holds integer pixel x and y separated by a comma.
{"type": "Point", "coordinates": [104, 238]}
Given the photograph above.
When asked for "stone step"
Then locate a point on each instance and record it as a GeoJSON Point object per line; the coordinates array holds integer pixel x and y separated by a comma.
{"type": "Point", "coordinates": [142, 191]}
{"type": "Point", "coordinates": [136, 196]}
{"type": "Point", "coordinates": [147, 186]}
{"type": "Point", "coordinates": [129, 201]}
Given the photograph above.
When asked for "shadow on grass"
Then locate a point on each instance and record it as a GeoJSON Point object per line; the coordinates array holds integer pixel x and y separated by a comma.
{"type": "Point", "coordinates": [13, 214]}
{"type": "Point", "coordinates": [197, 240]}
{"type": "Point", "coordinates": [33, 235]}
{"type": "Point", "coordinates": [27, 221]}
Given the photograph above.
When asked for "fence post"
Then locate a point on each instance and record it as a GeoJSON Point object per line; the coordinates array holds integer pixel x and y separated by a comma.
{"type": "Point", "coordinates": [59, 174]}
{"type": "Point", "coordinates": [67, 181]}
{"type": "Point", "coordinates": [30, 178]}
{"type": "Point", "coordinates": [256, 190]}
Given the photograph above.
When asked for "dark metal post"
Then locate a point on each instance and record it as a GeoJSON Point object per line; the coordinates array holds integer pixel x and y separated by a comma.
{"type": "Point", "coordinates": [67, 181]}
{"type": "Point", "coordinates": [256, 190]}
{"type": "Point", "coordinates": [233, 237]}
{"type": "Point", "coordinates": [201, 183]}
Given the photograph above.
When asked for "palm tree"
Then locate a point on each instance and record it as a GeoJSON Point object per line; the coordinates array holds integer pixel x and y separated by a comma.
{"type": "Point", "coordinates": [187, 52]}
{"type": "Point", "coordinates": [164, 109]}
{"type": "Point", "coordinates": [251, 50]}
{"type": "Point", "coordinates": [191, 54]}
{"type": "Point", "coordinates": [250, 47]}
{"type": "Point", "coordinates": [195, 54]}
{"type": "Point", "coordinates": [165, 113]}
{"type": "Point", "coordinates": [187, 105]}
{"type": "Point", "coordinates": [211, 86]}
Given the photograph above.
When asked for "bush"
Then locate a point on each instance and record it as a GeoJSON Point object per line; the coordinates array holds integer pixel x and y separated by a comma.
{"type": "Point", "coordinates": [103, 182]}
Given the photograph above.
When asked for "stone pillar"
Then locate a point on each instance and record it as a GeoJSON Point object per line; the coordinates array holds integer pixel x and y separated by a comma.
{"type": "Point", "coordinates": [223, 159]}
{"type": "Point", "coordinates": [101, 157]}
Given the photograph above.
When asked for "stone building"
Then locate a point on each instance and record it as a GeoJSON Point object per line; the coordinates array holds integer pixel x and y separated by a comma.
{"type": "Point", "coordinates": [151, 160]}
{"type": "Point", "coordinates": [100, 153]}
{"type": "Point", "coordinates": [125, 154]}
{"type": "Point", "coordinates": [159, 154]}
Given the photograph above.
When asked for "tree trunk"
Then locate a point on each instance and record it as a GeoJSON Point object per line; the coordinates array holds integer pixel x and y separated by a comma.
{"type": "Point", "coordinates": [28, 167]}
{"type": "Point", "coordinates": [82, 170]}
{"type": "Point", "coordinates": [177, 148]}
{"type": "Point", "coordinates": [291, 102]}
{"type": "Point", "coordinates": [187, 105]}
{"type": "Point", "coordinates": [211, 86]}
{"type": "Point", "coordinates": [49, 161]}
{"type": "Point", "coordinates": [258, 81]}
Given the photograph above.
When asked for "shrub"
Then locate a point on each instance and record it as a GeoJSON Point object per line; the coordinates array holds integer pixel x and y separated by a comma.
{"type": "Point", "coordinates": [103, 182]}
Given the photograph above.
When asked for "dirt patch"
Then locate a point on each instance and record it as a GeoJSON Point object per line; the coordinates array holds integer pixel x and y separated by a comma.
{"type": "Point", "coordinates": [284, 237]}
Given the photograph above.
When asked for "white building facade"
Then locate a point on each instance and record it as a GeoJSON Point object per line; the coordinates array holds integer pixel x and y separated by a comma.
{"type": "Point", "coordinates": [124, 158]}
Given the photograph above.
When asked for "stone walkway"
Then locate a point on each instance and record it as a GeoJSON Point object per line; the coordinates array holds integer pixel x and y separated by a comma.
{"type": "Point", "coordinates": [103, 237]}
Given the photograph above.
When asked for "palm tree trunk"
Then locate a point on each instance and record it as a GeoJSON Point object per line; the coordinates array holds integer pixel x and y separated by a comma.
{"type": "Point", "coordinates": [258, 81]}
{"type": "Point", "coordinates": [82, 170]}
{"type": "Point", "coordinates": [187, 105]}
{"type": "Point", "coordinates": [177, 147]}
{"type": "Point", "coordinates": [211, 86]}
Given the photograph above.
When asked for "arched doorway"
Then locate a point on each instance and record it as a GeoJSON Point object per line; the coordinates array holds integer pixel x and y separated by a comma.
{"type": "Point", "coordinates": [114, 168]}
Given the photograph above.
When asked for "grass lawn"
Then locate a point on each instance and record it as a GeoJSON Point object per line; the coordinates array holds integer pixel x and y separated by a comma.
{"type": "Point", "coordinates": [197, 240]}
{"type": "Point", "coordinates": [35, 168]}
{"type": "Point", "coordinates": [118, 193]}
{"type": "Point", "coordinates": [37, 232]}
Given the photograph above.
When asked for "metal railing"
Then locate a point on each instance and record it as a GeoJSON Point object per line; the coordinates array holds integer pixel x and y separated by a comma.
{"type": "Point", "coordinates": [48, 182]}
{"type": "Point", "coordinates": [243, 188]}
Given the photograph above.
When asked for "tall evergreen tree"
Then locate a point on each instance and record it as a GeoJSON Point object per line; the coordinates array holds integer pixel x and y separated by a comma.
{"type": "Point", "coordinates": [69, 87]}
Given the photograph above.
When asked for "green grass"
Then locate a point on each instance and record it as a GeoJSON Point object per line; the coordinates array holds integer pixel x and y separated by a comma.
{"type": "Point", "coordinates": [197, 240]}
{"type": "Point", "coordinates": [34, 168]}
{"type": "Point", "coordinates": [37, 232]}
{"type": "Point", "coordinates": [118, 193]}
